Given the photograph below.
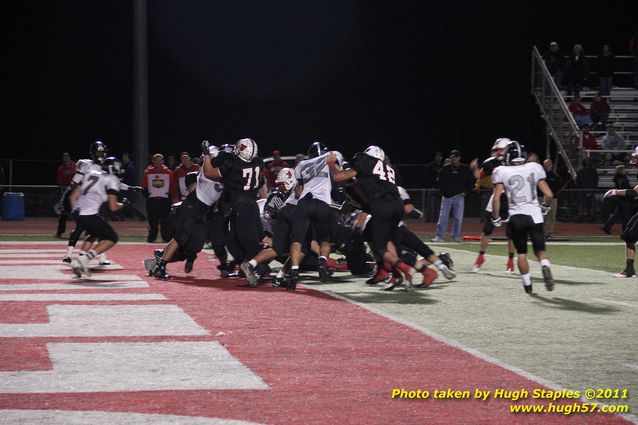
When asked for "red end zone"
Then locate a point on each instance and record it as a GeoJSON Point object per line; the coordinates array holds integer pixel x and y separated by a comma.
{"type": "Point", "coordinates": [324, 360]}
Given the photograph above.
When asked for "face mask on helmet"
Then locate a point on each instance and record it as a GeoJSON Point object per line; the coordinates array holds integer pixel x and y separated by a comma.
{"type": "Point", "coordinates": [113, 166]}
{"type": "Point", "coordinates": [246, 149]}
{"type": "Point", "coordinates": [285, 180]}
{"type": "Point", "coordinates": [98, 151]}
{"type": "Point", "coordinates": [317, 149]}
{"type": "Point", "coordinates": [375, 152]}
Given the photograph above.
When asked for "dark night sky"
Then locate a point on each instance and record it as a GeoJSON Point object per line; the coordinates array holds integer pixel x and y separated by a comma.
{"type": "Point", "coordinates": [410, 76]}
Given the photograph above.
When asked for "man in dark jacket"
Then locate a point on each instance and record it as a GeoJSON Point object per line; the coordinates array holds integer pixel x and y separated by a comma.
{"type": "Point", "coordinates": [554, 182]}
{"type": "Point", "coordinates": [586, 178]}
{"type": "Point", "coordinates": [455, 180]}
{"type": "Point", "coordinates": [433, 197]}
{"type": "Point", "coordinates": [555, 63]}
{"type": "Point", "coordinates": [576, 71]}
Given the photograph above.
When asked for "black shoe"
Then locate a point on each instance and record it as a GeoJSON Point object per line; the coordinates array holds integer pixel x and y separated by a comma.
{"type": "Point", "coordinates": [447, 260]}
{"type": "Point", "coordinates": [228, 269]}
{"type": "Point", "coordinates": [323, 271]}
{"type": "Point", "coordinates": [160, 271]}
{"type": "Point", "coordinates": [158, 253]}
{"type": "Point", "coordinates": [188, 265]}
{"type": "Point", "coordinates": [293, 280]}
{"type": "Point", "coordinates": [279, 282]}
{"type": "Point", "coordinates": [549, 280]}
{"type": "Point", "coordinates": [606, 230]}
{"type": "Point", "coordinates": [66, 260]}
{"type": "Point", "coordinates": [528, 289]}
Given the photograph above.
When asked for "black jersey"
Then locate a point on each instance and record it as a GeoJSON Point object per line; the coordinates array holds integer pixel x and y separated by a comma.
{"type": "Point", "coordinates": [241, 179]}
{"type": "Point", "coordinates": [376, 178]}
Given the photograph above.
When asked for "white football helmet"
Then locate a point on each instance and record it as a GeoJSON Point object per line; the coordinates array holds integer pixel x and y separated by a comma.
{"type": "Point", "coordinates": [498, 147]}
{"type": "Point", "coordinates": [286, 179]}
{"type": "Point", "coordinates": [375, 152]}
{"type": "Point", "coordinates": [246, 149]}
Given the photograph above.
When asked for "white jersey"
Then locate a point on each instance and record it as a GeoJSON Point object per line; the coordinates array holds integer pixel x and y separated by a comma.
{"type": "Point", "coordinates": [82, 167]}
{"type": "Point", "coordinates": [315, 176]}
{"type": "Point", "coordinates": [521, 183]}
{"type": "Point", "coordinates": [95, 188]}
{"type": "Point", "coordinates": [208, 191]}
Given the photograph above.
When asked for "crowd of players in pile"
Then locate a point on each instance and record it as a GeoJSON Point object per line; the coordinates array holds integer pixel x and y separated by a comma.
{"type": "Point", "coordinates": [324, 205]}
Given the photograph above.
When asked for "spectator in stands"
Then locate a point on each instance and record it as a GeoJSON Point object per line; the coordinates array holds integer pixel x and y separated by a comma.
{"type": "Point", "coordinates": [455, 181]}
{"type": "Point", "coordinates": [613, 141]}
{"type": "Point", "coordinates": [586, 141]}
{"type": "Point", "coordinates": [622, 205]}
{"type": "Point", "coordinates": [171, 162]}
{"type": "Point", "coordinates": [633, 48]}
{"type": "Point", "coordinates": [555, 63]}
{"type": "Point", "coordinates": [533, 157]}
{"type": "Point", "coordinates": [66, 171]}
{"type": "Point", "coordinates": [273, 168]}
{"type": "Point", "coordinates": [579, 112]}
{"type": "Point", "coordinates": [599, 112]}
{"type": "Point", "coordinates": [554, 182]}
{"type": "Point", "coordinates": [178, 188]}
{"type": "Point", "coordinates": [298, 158]}
{"type": "Point", "coordinates": [586, 180]}
{"type": "Point", "coordinates": [605, 70]}
{"type": "Point", "coordinates": [432, 196]}
{"type": "Point", "coordinates": [576, 71]}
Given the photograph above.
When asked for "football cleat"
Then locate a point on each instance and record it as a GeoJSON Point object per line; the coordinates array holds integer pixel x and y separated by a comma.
{"type": "Point", "coordinates": [228, 269]}
{"type": "Point", "coordinates": [510, 266]}
{"type": "Point", "coordinates": [188, 265]}
{"type": "Point", "coordinates": [251, 276]}
{"type": "Point", "coordinates": [380, 276]}
{"type": "Point", "coordinates": [323, 270]}
{"type": "Point", "coordinates": [528, 288]}
{"type": "Point", "coordinates": [447, 260]}
{"type": "Point", "coordinates": [293, 280]}
{"type": "Point", "coordinates": [66, 260]}
{"type": "Point", "coordinates": [105, 263]}
{"type": "Point", "coordinates": [429, 276]}
{"type": "Point", "coordinates": [549, 279]}
{"type": "Point", "coordinates": [479, 262]}
{"type": "Point", "coordinates": [625, 274]}
{"type": "Point", "coordinates": [279, 282]}
{"type": "Point", "coordinates": [160, 272]}
{"type": "Point", "coordinates": [449, 274]}
{"type": "Point", "coordinates": [84, 263]}
{"type": "Point", "coordinates": [149, 265]}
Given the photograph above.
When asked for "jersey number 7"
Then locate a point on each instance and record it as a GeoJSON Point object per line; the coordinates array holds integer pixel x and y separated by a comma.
{"type": "Point", "coordinates": [252, 177]}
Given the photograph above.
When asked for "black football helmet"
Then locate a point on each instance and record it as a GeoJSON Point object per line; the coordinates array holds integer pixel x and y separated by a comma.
{"type": "Point", "coordinates": [317, 149]}
{"type": "Point", "coordinates": [514, 153]}
{"type": "Point", "coordinates": [98, 151]}
{"type": "Point", "coordinates": [112, 165]}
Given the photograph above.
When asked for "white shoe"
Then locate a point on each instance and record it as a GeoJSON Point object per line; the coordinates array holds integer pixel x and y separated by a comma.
{"type": "Point", "coordinates": [84, 262]}
{"type": "Point", "coordinates": [449, 274]}
{"type": "Point", "coordinates": [436, 239]}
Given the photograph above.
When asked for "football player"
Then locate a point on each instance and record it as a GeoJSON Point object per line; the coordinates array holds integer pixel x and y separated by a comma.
{"type": "Point", "coordinates": [97, 152]}
{"type": "Point", "coordinates": [190, 226]}
{"type": "Point", "coordinates": [630, 234]}
{"type": "Point", "coordinates": [279, 212]}
{"type": "Point", "coordinates": [520, 181]}
{"type": "Point", "coordinates": [377, 181]}
{"type": "Point", "coordinates": [95, 189]}
{"type": "Point", "coordinates": [314, 186]}
{"type": "Point", "coordinates": [241, 173]}
{"type": "Point", "coordinates": [483, 176]}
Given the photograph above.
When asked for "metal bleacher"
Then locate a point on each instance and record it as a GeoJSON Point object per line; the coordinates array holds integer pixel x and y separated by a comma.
{"type": "Point", "coordinates": [562, 130]}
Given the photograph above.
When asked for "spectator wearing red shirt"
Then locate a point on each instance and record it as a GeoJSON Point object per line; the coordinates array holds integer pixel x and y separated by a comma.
{"type": "Point", "coordinates": [599, 112]}
{"type": "Point", "coordinates": [65, 174]}
{"type": "Point", "coordinates": [178, 188]}
{"type": "Point", "coordinates": [579, 112]}
{"type": "Point", "coordinates": [273, 168]}
{"type": "Point", "coordinates": [66, 171]}
{"type": "Point", "coordinates": [156, 184]}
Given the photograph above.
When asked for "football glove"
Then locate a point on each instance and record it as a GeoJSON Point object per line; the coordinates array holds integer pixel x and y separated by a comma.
{"type": "Point", "coordinates": [610, 193]}
{"type": "Point", "coordinates": [205, 147]}
{"type": "Point", "coordinates": [497, 221]}
{"type": "Point", "coordinates": [545, 208]}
